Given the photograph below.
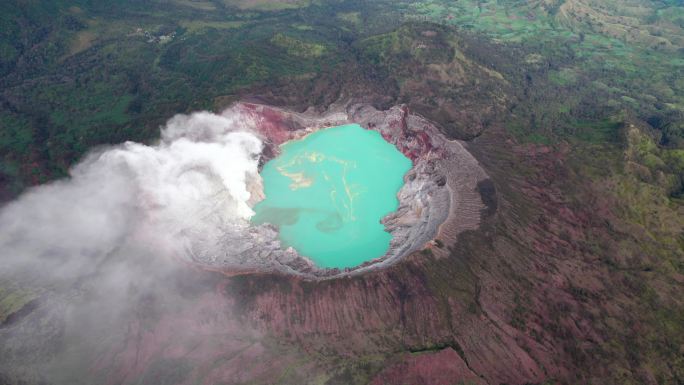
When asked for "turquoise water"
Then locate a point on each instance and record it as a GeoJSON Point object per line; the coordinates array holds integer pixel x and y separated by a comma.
{"type": "Point", "coordinates": [328, 192]}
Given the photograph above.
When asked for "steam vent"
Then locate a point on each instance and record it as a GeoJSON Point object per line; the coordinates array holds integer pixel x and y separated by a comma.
{"type": "Point", "coordinates": [315, 170]}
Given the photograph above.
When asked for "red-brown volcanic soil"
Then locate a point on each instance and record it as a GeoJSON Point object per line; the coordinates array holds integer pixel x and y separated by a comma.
{"type": "Point", "coordinates": [508, 290]}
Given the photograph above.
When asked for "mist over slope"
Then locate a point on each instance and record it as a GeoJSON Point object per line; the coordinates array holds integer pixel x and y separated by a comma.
{"type": "Point", "coordinates": [117, 233]}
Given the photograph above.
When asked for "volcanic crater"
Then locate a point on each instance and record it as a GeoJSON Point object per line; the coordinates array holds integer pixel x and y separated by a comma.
{"type": "Point", "coordinates": [438, 201]}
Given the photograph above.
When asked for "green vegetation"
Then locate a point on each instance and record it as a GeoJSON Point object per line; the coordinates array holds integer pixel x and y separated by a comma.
{"type": "Point", "coordinates": [295, 47]}
{"type": "Point", "coordinates": [79, 73]}
{"type": "Point", "coordinates": [621, 53]}
{"type": "Point", "coordinates": [12, 300]}
{"type": "Point", "coordinates": [75, 74]}
{"type": "Point", "coordinates": [353, 18]}
{"type": "Point", "coordinates": [267, 5]}
{"type": "Point", "coordinates": [201, 25]}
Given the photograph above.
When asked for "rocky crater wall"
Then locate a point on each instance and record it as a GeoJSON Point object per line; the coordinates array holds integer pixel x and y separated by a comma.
{"type": "Point", "coordinates": [438, 200]}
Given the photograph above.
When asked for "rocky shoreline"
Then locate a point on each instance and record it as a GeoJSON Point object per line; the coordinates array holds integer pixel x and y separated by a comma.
{"type": "Point", "coordinates": [438, 200]}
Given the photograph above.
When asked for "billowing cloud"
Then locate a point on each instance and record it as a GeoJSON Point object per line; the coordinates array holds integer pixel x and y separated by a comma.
{"type": "Point", "coordinates": [189, 189]}
{"type": "Point", "coordinates": [98, 246]}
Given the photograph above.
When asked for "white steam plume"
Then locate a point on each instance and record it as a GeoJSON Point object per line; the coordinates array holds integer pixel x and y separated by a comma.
{"type": "Point", "coordinates": [181, 195]}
